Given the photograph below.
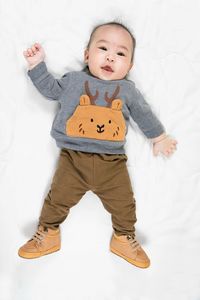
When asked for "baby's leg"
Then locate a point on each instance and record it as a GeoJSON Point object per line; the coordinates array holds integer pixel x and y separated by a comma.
{"type": "Point", "coordinates": [115, 191]}
{"type": "Point", "coordinates": [67, 188]}
{"type": "Point", "coordinates": [113, 186]}
{"type": "Point", "coordinates": [69, 184]}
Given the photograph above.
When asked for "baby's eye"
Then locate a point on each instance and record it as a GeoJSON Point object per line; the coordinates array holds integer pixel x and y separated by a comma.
{"type": "Point", "coordinates": [91, 120]}
{"type": "Point", "coordinates": [120, 54]}
{"type": "Point", "coordinates": [109, 121]}
{"type": "Point", "coordinates": [103, 48]}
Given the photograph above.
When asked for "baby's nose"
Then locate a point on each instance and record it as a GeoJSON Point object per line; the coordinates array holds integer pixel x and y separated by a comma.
{"type": "Point", "coordinates": [110, 58]}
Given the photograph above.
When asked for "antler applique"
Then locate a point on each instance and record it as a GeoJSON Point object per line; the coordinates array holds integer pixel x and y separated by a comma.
{"type": "Point", "coordinates": [92, 97]}
{"type": "Point", "coordinates": [114, 96]}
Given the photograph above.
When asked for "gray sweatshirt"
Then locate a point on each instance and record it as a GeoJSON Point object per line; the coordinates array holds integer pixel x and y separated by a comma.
{"type": "Point", "coordinates": [94, 114]}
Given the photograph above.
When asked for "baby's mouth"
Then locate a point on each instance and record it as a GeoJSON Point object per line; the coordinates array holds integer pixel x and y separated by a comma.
{"type": "Point", "coordinates": [107, 68]}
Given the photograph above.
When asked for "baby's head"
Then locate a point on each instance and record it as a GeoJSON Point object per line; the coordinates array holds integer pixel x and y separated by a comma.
{"type": "Point", "coordinates": [110, 50]}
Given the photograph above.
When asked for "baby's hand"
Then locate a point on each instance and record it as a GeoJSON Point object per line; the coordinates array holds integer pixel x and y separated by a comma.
{"type": "Point", "coordinates": [34, 55]}
{"type": "Point", "coordinates": [167, 146]}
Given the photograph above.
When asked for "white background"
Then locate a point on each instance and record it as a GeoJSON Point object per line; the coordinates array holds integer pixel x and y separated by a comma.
{"type": "Point", "coordinates": [167, 72]}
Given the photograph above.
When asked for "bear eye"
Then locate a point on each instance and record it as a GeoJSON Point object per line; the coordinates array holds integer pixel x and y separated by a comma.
{"type": "Point", "coordinates": [109, 121]}
{"type": "Point", "coordinates": [91, 120]}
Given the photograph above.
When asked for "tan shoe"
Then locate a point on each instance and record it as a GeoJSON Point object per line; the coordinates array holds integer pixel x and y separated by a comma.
{"type": "Point", "coordinates": [127, 247]}
{"type": "Point", "coordinates": [43, 242]}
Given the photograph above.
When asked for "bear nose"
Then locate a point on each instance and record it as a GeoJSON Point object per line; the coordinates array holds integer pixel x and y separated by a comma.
{"type": "Point", "coordinates": [100, 126]}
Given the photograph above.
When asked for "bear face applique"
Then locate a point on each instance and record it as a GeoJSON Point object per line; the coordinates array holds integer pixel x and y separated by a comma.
{"type": "Point", "coordinates": [97, 122]}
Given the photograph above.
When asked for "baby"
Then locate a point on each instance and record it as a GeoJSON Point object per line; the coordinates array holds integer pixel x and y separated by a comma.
{"type": "Point", "coordinates": [90, 129]}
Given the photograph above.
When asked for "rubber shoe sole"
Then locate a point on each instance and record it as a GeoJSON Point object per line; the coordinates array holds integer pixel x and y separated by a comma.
{"type": "Point", "coordinates": [132, 261]}
{"type": "Point", "coordinates": [28, 255]}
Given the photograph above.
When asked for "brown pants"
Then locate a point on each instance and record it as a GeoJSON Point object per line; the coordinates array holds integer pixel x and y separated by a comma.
{"type": "Point", "coordinates": [104, 174]}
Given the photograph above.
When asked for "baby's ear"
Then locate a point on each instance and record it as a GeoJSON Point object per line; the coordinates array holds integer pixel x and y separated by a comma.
{"type": "Point", "coordinates": [86, 56]}
{"type": "Point", "coordinates": [117, 104]}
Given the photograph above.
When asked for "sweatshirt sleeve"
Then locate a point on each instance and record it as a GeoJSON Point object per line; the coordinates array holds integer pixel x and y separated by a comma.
{"type": "Point", "coordinates": [46, 84]}
{"type": "Point", "coordinates": [142, 114]}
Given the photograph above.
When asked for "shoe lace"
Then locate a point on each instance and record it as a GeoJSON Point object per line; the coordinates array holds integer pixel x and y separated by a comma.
{"type": "Point", "coordinates": [38, 236]}
{"type": "Point", "coordinates": [133, 242]}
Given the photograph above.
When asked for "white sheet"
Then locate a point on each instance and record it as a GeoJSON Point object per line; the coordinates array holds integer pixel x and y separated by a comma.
{"type": "Point", "coordinates": [167, 71]}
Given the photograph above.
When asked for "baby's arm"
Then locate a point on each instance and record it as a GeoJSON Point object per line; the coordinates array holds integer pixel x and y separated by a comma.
{"type": "Point", "coordinates": [41, 78]}
{"type": "Point", "coordinates": [151, 126]}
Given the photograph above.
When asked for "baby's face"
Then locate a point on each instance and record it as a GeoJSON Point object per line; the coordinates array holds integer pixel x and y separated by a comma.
{"type": "Point", "coordinates": [109, 54]}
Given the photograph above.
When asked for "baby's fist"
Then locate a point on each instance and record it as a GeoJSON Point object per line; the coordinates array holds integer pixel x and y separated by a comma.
{"type": "Point", "coordinates": [34, 55]}
{"type": "Point", "coordinates": [166, 146]}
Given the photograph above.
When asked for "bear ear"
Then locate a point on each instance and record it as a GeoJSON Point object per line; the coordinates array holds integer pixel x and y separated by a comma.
{"type": "Point", "coordinates": [84, 100]}
{"type": "Point", "coordinates": [117, 104]}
